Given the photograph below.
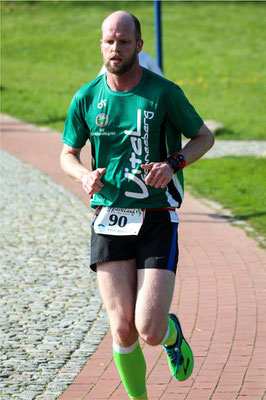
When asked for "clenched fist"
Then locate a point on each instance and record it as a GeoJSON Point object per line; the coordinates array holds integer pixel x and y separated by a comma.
{"type": "Point", "coordinates": [160, 174]}
{"type": "Point", "coordinates": [91, 181]}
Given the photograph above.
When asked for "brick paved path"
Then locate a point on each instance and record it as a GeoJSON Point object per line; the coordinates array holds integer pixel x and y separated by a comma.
{"type": "Point", "coordinates": [220, 297]}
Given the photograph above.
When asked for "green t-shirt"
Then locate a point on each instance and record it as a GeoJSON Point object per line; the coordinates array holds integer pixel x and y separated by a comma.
{"type": "Point", "coordinates": [127, 129]}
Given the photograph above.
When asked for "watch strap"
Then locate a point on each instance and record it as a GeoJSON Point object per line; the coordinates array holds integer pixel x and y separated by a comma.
{"type": "Point", "coordinates": [177, 162]}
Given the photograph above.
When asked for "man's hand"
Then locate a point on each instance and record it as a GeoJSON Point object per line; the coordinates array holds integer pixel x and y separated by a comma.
{"type": "Point", "coordinates": [160, 174]}
{"type": "Point", "coordinates": [91, 181]}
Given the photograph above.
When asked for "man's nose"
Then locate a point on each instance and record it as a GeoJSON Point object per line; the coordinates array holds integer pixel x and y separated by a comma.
{"type": "Point", "coordinates": [116, 46]}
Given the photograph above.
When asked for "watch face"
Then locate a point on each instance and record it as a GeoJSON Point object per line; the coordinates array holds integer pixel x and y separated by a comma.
{"type": "Point", "coordinates": [173, 162]}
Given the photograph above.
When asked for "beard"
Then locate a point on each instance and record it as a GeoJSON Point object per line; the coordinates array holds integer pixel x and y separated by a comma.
{"type": "Point", "coordinates": [124, 67]}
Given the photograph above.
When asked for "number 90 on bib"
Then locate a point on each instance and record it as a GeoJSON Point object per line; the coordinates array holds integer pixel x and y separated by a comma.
{"type": "Point", "coordinates": [119, 221]}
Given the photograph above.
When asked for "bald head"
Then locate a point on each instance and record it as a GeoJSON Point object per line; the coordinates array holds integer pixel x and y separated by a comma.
{"type": "Point", "coordinates": [120, 43]}
{"type": "Point", "coordinates": [122, 19]}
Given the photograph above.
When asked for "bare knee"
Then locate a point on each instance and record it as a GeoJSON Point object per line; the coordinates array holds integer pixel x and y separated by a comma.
{"type": "Point", "coordinates": [124, 332]}
{"type": "Point", "coordinates": [152, 333]}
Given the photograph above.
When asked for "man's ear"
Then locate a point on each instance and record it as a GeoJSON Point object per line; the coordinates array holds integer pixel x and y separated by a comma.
{"type": "Point", "coordinates": [139, 45]}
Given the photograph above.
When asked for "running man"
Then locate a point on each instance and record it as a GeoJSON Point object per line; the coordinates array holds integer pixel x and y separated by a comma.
{"type": "Point", "coordinates": [133, 119]}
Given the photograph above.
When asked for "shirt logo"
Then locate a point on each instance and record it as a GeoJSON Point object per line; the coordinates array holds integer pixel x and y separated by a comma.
{"type": "Point", "coordinates": [139, 143]}
{"type": "Point", "coordinates": [102, 103]}
{"type": "Point", "coordinates": [101, 120]}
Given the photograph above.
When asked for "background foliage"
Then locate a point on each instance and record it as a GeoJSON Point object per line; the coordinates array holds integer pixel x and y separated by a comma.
{"type": "Point", "coordinates": [215, 51]}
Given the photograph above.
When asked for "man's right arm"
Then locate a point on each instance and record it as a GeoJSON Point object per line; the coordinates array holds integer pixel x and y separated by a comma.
{"type": "Point", "coordinates": [71, 164]}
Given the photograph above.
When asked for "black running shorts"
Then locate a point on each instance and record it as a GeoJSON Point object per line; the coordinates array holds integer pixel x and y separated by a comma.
{"type": "Point", "coordinates": [156, 245]}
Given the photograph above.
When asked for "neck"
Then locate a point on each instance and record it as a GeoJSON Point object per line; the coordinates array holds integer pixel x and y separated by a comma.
{"type": "Point", "coordinates": [125, 82]}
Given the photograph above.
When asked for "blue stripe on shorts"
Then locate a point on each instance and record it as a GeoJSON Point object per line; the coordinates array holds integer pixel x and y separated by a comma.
{"type": "Point", "coordinates": [172, 256]}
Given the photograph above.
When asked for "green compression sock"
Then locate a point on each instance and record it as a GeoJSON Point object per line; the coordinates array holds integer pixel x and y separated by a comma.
{"type": "Point", "coordinates": [141, 397]}
{"type": "Point", "coordinates": [171, 334]}
{"type": "Point", "coordinates": [131, 366]}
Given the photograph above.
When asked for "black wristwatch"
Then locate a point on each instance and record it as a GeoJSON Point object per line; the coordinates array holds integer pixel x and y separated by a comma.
{"type": "Point", "coordinates": [177, 162]}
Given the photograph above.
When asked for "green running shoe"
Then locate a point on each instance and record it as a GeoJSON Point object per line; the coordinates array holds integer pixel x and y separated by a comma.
{"type": "Point", "coordinates": [179, 355]}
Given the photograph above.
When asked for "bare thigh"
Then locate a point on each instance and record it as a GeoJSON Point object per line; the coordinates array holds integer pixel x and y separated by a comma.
{"type": "Point", "coordinates": [118, 284]}
{"type": "Point", "coordinates": [154, 296]}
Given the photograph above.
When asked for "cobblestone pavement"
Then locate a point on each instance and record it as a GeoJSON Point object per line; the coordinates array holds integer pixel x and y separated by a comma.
{"type": "Point", "coordinates": [51, 315]}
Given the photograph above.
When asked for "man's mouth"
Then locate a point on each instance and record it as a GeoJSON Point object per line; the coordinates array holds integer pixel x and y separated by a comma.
{"type": "Point", "coordinates": [116, 59]}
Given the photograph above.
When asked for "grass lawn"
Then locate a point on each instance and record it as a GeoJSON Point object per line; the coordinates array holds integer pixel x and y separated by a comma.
{"type": "Point", "coordinates": [215, 51]}
{"type": "Point", "coordinates": [236, 182]}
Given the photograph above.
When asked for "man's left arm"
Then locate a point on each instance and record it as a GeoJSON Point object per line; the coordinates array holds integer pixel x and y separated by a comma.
{"type": "Point", "coordinates": [161, 173]}
{"type": "Point", "coordinates": [198, 145]}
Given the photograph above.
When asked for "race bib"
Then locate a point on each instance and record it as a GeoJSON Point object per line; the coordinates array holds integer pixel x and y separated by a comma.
{"type": "Point", "coordinates": [119, 221]}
